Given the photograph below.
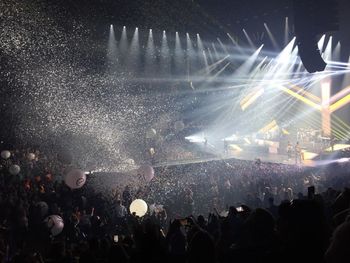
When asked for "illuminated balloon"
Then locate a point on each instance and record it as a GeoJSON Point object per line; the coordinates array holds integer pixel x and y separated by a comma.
{"type": "Point", "coordinates": [30, 156]}
{"type": "Point", "coordinates": [179, 125]}
{"type": "Point", "coordinates": [145, 173]}
{"type": "Point", "coordinates": [55, 224]}
{"type": "Point", "coordinates": [75, 179]}
{"type": "Point", "coordinates": [14, 169]}
{"type": "Point", "coordinates": [139, 207]}
{"type": "Point", "coordinates": [151, 133]}
{"type": "Point", "coordinates": [5, 154]}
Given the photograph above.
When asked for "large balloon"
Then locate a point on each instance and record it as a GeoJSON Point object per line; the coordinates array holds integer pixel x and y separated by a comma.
{"type": "Point", "coordinates": [5, 154]}
{"type": "Point", "coordinates": [75, 178]}
{"type": "Point", "coordinates": [179, 125]}
{"type": "Point", "coordinates": [14, 169]}
{"type": "Point", "coordinates": [139, 207]}
{"type": "Point", "coordinates": [151, 133]}
{"type": "Point", "coordinates": [30, 156]}
{"type": "Point", "coordinates": [55, 224]}
{"type": "Point", "coordinates": [145, 173]}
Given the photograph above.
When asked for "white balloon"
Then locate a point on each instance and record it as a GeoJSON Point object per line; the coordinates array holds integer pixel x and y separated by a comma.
{"type": "Point", "coordinates": [224, 213]}
{"type": "Point", "coordinates": [5, 154]}
{"type": "Point", "coordinates": [55, 224]}
{"type": "Point", "coordinates": [151, 133]}
{"type": "Point", "coordinates": [14, 169]}
{"type": "Point", "coordinates": [179, 125]}
{"type": "Point", "coordinates": [145, 173]}
{"type": "Point", "coordinates": [139, 207]}
{"type": "Point", "coordinates": [30, 156]}
{"type": "Point", "coordinates": [75, 179]}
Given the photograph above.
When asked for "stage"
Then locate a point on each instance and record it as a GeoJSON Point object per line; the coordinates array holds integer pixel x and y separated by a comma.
{"type": "Point", "coordinates": [309, 159]}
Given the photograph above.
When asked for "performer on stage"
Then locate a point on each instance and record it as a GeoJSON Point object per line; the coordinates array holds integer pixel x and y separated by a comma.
{"type": "Point", "coordinates": [298, 154]}
{"type": "Point", "coordinates": [289, 150]}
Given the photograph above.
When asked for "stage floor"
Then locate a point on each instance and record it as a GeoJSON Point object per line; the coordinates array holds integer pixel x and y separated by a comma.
{"type": "Point", "coordinates": [248, 156]}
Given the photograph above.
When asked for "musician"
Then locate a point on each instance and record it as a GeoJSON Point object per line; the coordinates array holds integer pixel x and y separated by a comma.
{"type": "Point", "coordinates": [298, 154]}
{"type": "Point", "coordinates": [289, 150]}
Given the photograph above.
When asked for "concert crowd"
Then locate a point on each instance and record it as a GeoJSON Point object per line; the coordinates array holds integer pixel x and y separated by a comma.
{"type": "Point", "coordinates": [215, 211]}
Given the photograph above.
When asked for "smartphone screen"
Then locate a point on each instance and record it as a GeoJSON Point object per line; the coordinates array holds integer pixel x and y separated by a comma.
{"type": "Point", "coordinates": [115, 238]}
{"type": "Point", "coordinates": [183, 222]}
{"type": "Point", "coordinates": [239, 209]}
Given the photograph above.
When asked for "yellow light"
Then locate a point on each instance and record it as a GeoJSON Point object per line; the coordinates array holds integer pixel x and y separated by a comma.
{"type": "Point", "coordinates": [308, 155]}
{"type": "Point", "coordinates": [326, 114]}
{"type": "Point", "coordinates": [301, 98]}
{"type": "Point", "coordinates": [251, 98]}
{"type": "Point", "coordinates": [285, 132]}
{"type": "Point", "coordinates": [235, 147]}
{"type": "Point", "coordinates": [338, 147]}
{"type": "Point", "coordinates": [306, 94]}
{"type": "Point", "coordinates": [268, 127]}
{"type": "Point", "coordinates": [340, 103]}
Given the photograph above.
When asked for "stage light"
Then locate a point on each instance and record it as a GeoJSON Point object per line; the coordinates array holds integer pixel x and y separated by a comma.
{"type": "Point", "coordinates": [286, 31]}
{"type": "Point", "coordinates": [326, 115]}
{"type": "Point", "coordinates": [268, 127]}
{"type": "Point", "coordinates": [195, 139]}
{"type": "Point", "coordinates": [306, 94]}
{"type": "Point", "coordinates": [251, 98]}
{"type": "Point", "coordinates": [321, 42]}
{"type": "Point", "coordinates": [343, 160]}
{"type": "Point", "coordinates": [285, 132]}
{"type": "Point", "coordinates": [251, 43]}
{"type": "Point", "coordinates": [235, 147]}
{"type": "Point", "coordinates": [301, 98]}
{"type": "Point", "coordinates": [340, 103]}
{"type": "Point", "coordinates": [338, 147]}
{"type": "Point", "coordinates": [272, 38]}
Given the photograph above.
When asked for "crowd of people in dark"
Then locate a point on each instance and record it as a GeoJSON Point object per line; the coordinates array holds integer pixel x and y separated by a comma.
{"type": "Point", "coordinates": [217, 211]}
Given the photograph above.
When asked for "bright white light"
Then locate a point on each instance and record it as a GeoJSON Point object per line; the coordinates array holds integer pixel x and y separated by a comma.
{"type": "Point", "coordinates": [195, 139]}
{"type": "Point", "coordinates": [343, 160]}
{"type": "Point", "coordinates": [321, 42]}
